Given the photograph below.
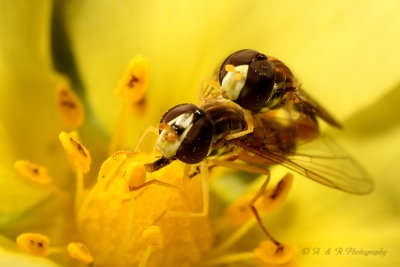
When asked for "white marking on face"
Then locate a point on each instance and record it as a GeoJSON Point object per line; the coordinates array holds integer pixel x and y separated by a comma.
{"type": "Point", "coordinates": [169, 148]}
{"type": "Point", "coordinates": [231, 87]}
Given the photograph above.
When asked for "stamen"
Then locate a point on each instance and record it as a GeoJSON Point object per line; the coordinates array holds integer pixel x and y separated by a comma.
{"type": "Point", "coordinates": [69, 106]}
{"type": "Point", "coordinates": [34, 244]}
{"type": "Point", "coordinates": [153, 237]}
{"type": "Point", "coordinates": [108, 171]}
{"type": "Point", "coordinates": [275, 196]}
{"type": "Point", "coordinates": [270, 253]}
{"type": "Point", "coordinates": [133, 85]}
{"type": "Point", "coordinates": [37, 174]}
{"type": "Point", "coordinates": [77, 152]}
{"type": "Point", "coordinates": [32, 172]}
{"type": "Point", "coordinates": [136, 175]}
{"type": "Point", "coordinates": [79, 252]}
{"type": "Point", "coordinates": [233, 238]}
{"type": "Point", "coordinates": [132, 89]}
{"type": "Point", "coordinates": [240, 211]}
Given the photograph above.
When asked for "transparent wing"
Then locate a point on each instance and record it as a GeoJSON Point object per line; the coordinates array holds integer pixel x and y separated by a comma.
{"type": "Point", "coordinates": [308, 105]}
{"type": "Point", "coordinates": [323, 161]}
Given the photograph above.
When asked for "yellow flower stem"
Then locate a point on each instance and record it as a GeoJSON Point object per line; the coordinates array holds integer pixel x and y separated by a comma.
{"type": "Point", "coordinates": [56, 250]}
{"type": "Point", "coordinates": [230, 258]}
{"type": "Point", "coordinates": [85, 204]}
{"type": "Point", "coordinates": [79, 189]}
{"type": "Point", "coordinates": [242, 230]}
{"type": "Point", "coordinates": [57, 191]}
{"type": "Point", "coordinates": [145, 257]}
{"type": "Point", "coordinates": [129, 228]}
{"type": "Point", "coordinates": [120, 129]}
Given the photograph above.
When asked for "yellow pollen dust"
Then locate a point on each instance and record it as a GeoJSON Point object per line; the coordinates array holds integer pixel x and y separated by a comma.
{"type": "Point", "coordinates": [76, 151]}
{"type": "Point", "coordinates": [153, 237]}
{"type": "Point", "coordinates": [270, 253]}
{"type": "Point", "coordinates": [230, 68]}
{"type": "Point", "coordinates": [240, 211]}
{"type": "Point", "coordinates": [133, 85]}
{"type": "Point", "coordinates": [80, 252]}
{"type": "Point", "coordinates": [120, 224]}
{"type": "Point", "coordinates": [34, 244]}
{"type": "Point", "coordinates": [69, 106]}
{"type": "Point", "coordinates": [238, 76]}
{"type": "Point", "coordinates": [32, 172]}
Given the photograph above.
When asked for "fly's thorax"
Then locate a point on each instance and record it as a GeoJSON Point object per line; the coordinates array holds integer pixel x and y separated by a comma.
{"type": "Point", "coordinates": [227, 119]}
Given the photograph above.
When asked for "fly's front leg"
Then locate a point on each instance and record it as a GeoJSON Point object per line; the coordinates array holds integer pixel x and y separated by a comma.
{"type": "Point", "coordinates": [149, 130]}
{"type": "Point", "coordinates": [203, 85]}
{"type": "Point", "coordinates": [205, 196]}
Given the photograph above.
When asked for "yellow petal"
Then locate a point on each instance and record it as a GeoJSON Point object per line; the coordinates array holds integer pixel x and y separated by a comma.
{"type": "Point", "coordinates": [29, 117]}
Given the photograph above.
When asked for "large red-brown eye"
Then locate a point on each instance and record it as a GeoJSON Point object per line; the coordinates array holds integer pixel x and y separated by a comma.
{"type": "Point", "coordinates": [259, 84]}
{"type": "Point", "coordinates": [260, 78]}
{"type": "Point", "coordinates": [241, 57]}
{"type": "Point", "coordinates": [196, 144]}
{"type": "Point", "coordinates": [174, 112]}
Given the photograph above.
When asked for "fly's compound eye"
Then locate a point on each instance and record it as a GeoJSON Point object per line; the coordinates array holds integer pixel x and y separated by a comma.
{"type": "Point", "coordinates": [196, 144]}
{"type": "Point", "coordinates": [185, 134]}
{"type": "Point", "coordinates": [247, 77]}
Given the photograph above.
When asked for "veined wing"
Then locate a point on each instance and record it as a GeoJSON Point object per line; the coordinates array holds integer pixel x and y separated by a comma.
{"type": "Point", "coordinates": [321, 160]}
{"type": "Point", "coordinates": [308, 104]}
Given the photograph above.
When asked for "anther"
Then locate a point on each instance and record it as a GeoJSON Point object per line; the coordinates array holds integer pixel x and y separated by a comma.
{"type": "Point", "coordinates": [240, 211]}
{"type": "Point", "coordinates": [69, 106]}
{"type": "Point", "coordinates": [133, 85]}
{"type": "Point", "coordinates": [153, 237]}
{"type": "Point", "coordinates": [270, 253]}
{"type": "Point", "coordinates": [274, 197]}
{"type": "Point", "coordinates": [34, 244]}
{"type": "Point", "coordinates": [76, 151]}
{"type": "Point", "coordinates": [136, 175]}
{"type": "Point", "coordinates": [32, 172]}
{"type": "Point", "coordinates": [80, 252]}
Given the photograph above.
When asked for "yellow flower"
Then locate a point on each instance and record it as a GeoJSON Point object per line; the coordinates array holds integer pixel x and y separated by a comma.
{"type": "Point", "coordinates": [345, 54]}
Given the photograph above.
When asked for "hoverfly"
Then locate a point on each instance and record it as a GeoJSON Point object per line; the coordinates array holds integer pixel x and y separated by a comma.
{"type": "Point", "coordinates": [261, 83]}
{"type": "Point", "coordinates": [212, 132]}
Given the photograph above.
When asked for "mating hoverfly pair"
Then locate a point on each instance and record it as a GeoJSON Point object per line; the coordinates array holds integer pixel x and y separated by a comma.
{"type": "Point", "coordinates": [257, 113]}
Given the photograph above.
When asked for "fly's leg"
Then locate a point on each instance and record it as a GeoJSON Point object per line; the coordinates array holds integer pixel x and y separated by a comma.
{"type": "Point", "coordinates": [150, 129]}
{"type": "Point", "coordinates": [203, 85]}
{"type": "Point", "coordinates": [261, 192]}
{"type": "Point", "coordinates": [185, 179]}
{"type": "Point", "coordinates": [205, 193]}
